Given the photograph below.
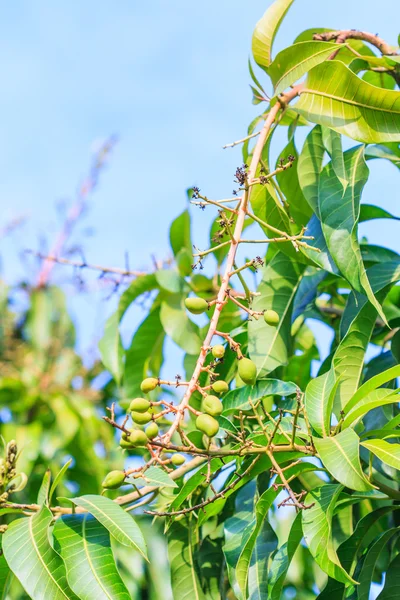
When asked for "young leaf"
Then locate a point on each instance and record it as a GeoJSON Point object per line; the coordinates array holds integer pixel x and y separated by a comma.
{"type": "Point", "coordinates": [84, 545]}
{"type": "Point", "coordinates": [295, 61]}
{"type": "Point", "coordinates": [58, 478]}
{"type": "Point", "coordinates": [386, 452]}
{"type": "Point", "coordinates": [372, 384]}
{"type": "Point", "coordinates": [182, 541]}
{"type": "Point", "coordinates": [119, 523]}
{"type": "Point", "coordinates": [266, 30]}
{"type": "Point", "coordinates": [341, 456]}
{"type": "Point", "coordinates": [33, 561]}
{"type": "Point", "coordinates": [319, 398]}
{"type": "Point", "coordinates": [335, 97]}
{"type": "Point", "coordinates": [317, 528]}
{"type": "Point", "coordinates": [268, 345]}
{"type": "Point", "coordinates": [376, 398]}
{"type": "Point", "coordinates": [239, 398]}
{"type": "Point", "coordinates": [43, 494]}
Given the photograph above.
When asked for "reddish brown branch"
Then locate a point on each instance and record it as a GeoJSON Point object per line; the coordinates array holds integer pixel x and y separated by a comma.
{"type": "Point", "coordinates": [352, 34]}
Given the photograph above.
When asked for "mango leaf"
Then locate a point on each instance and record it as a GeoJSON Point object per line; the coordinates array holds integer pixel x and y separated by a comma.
{"type": "Point", "coordinates": [335, 97]}
{"type": "Point", "coordinates": [58, 478]}
{"type": "Point", "coordinates": [307, 292]}
{"type": "Point", "coordinates": [193, 482]}
{"type": "Point", "coordinates": [322, 258]}
{"type": "Point", "coordinates": [367, 571]}
{"type": "Point", "coordinates": [5, 576]}
{"type": "Point", "coordinates": [392, 581]}
{"type": "Point", "coordinates": [148, 336]}
{"type": "Point", "coordinates": [319, 399]}
{"type": "Point", "coordinates": [376, 398]}
{"type": "Point", "coordinates": [119, 523]}
{"type": "Point", "coordinates": [266, 30]}
{"type": "Point", "coordinates": [341, 456]}
{"type": "Point", "coordinates": [317, 529]}
{"type": "Point", "coordinates": [282, 559]}
{"type": "Point", "coordinates": [295, 61]}
{"type": "Point", "coordinates": [156, 477]}
{"type": "Point", "coordinates": [310, 167]}
{"type": "Point", "coordinates": [368, 212]}
{"type": "Point", "coordinates": [178, 326]}
{"type": "Point", "coordinates": [339, 215]}
{"type": "Point", "coordinates": [239, 398]}
{"type": "Point", "coordinates": [179, 233]}
{"type": "Point", "coordinates": [43, 494]}
{"type": "Point", "coordinates": [182, 542]}
{"type": "Point", "coordinates": [289, 184]}
{"type": "Point", "coordinates": [84, 545]}
{"type": "Point", "coordinates": [333, 144]}
{"type": "Point", "coordinates": [386, 452]}
{"type": "Point", "coordinates": [111, 349]}
{"type": "Point", "coordinates": [210, 561]}
{"type": "Point", "coordinates": [33, 561]}
{"type": "Point", "coordinates": [268, 346]}
{"type": "Point", "coordinates": [372, 384]}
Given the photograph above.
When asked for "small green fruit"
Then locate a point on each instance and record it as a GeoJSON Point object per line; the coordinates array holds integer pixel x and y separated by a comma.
{"type": "Point", "coordinates": [247, 371]}
{"type": "Point", "coordinates": [218, 351]}
{"type": "Point", "coordinates": [125, 444]}
{"type": "Point", "coordinates": [177, 459]}
{"type": "Point", "coordinates": [271, 317]}
{"type": "Point", "coordinates": [148, 385]}
{"type": "Point", "coordinates": [137, 438]}
{"type": "Point", "coordinates": [207, 424]}
{"type": "Point", "coordinates": [220, 387]}
{"type": "Point", "coordinates": [152, 431]}
{"type": "Point", "coordinates": [139, 405]}
{"type": "Point", "coordinates": [212, 406]}
{"type": "Point", "coordinates": [196, 305]}
{"type": "Point", "coordinates": [141, 418]}
{"type": "Point", "coordinates": [113, 480]}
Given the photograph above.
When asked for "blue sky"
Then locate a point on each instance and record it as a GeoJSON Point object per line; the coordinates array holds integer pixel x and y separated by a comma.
{"type": "Point", "coordinates": [170, 78]}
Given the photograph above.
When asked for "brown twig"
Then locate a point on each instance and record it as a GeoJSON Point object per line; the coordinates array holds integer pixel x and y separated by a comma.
{"type": "Point", "coordinates": [353, 34]}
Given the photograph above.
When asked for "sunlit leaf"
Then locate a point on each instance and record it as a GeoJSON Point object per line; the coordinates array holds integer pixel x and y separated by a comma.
{"type": "Point", "coordinates": [386, 452]}
{"type": "Point", "coordinates": [266, 30]}
{"type": "Point", "coordinates": [240, 398]}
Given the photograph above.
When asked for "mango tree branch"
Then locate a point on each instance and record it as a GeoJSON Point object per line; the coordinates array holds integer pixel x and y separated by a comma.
{"type": "Point", "coordinates": [352, 34]}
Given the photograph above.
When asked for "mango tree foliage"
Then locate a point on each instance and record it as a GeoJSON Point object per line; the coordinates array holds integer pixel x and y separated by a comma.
{"type": "Point", "coordinates": [250, 420]}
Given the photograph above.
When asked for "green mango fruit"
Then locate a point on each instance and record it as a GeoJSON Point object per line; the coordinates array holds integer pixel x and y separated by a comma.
{"type": "Point", "coordinates": [139, 405]}
{"type": "Point", "coordinates": [148, 385]}
{"type": "Point", "coordinates": [247, 371]}
{"type": "Point", "coordinates": [113, 480]}
{"type": "Point", "coordinates": [196, 305]}
{"type": "Point", "coordinates": [212, 406]}
{"type": "Point", "coordinates": [207, 424]}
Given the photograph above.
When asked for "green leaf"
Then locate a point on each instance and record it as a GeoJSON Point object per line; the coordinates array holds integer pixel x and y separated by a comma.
{"type": "Point", "coordinates": [5, 576]}
{"type": "Point", "coordinates": [367, 571]}
{"type": "Point", "coordinates": [33, 561]}
{"type": "Point", "coordinates": [266, 30]}
{"type": "Point", "coordinates": [182, 542]}
{"type": "Point", "coordinates": [179, 233]}
{"type": "Point", "coordinates": [386, 452]}
{"type": "Point", "coordinates": [392, 581]}
{"type": "Point", "coordinates": [43, 494]}
{"type": "Point", "coordinates": [335, 97]}
{"type": "Point", "coordinates": [245, 562]}
{"type": "Point", "coordinates": [146, 339]}
{"type": "Point", "coordinates": [372, 384]}
{"type": "Point", "coordinates": [319, 398]}
{"type": "Point", "coordinates": [339, 216]}
{"type": "Point", "coordinates": [341, 456]}
{"type": "Point", "coordinates": [156, 477]}
{"type": "Point", "coordinates": [295, 61]}
{"type": "Point", "coordinates": [58, 478]}
{"type": "Point", "coordinates": [139, 286]}
{"type": "Point", "coordinates": [317, 528]}
{"type": "Point", "coordinates": [282, 559]}
{"type": "Point", "coordinates": [268, 346]}
{"type": "Point", "coordinates": [111, 349]}
{"type": "Point", "coordinates": [289, 183]}
{"type": "Point", "coordinates": [178, 326]}
{"type": "Point", "coordinates": [119, 523]}
{"type": "Point", "coordinates": [333, 144]}
{"type": "Point", "coordinates": [239, 398]}
{"type": "Point", "coordinates": [368, 212]}
{"type": "Point", "coordinates": [84, 545]}
{"type": "Point", "coordinates": [310, 167]}
{"type": "Point", "coordinates": [376, 398]}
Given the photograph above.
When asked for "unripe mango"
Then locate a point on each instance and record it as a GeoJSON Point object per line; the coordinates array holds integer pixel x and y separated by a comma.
{"type": "Point", "coordinates": [207, 424]}
{"type": "Point", "coordinates": [218, 351]}
{"type": "Point", "coordinates": [148, 385]}
{"type": "Point", "coordinates": [125, 444]}
{"type": "Point", "coordinates": [141, 418]}
{"type": "Point", "coordinates": [196, 305]}
{"type": "Point", "coordinates": [247, 371]}
{"type": "Point", "coordinates": [271, 317]}
{"type": "Point", "coordinates": [177, 459]}
{"type": "Point", "coordinates": [220, 387]}
{"type": "Point", "coordinates": [139, 405]}
{"type": "Point", "coordinates": [113, 480]}
{"type": "Point", "coordinates": [152, 431]}
{"type": "Point", "coordinates": [212, 406]}
{"type": "Point", "coordinates": [137, 438]}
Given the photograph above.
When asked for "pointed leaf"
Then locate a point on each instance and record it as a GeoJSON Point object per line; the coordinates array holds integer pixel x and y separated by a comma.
{"type": "Point", "coordinates": [119, 523]}
{"type": "Point", "coordinates": [33, 561]}
{"type": "Point", "coordinates": [367, 571]}
{"type": "Point", "coordinates": [84, 545]}
{"type": "Point", "coordinates": [386, 452]}
{"type": "Point", "coordinates": [266, 30]}
{"type": "Point", "coordinates": [341, 456]}
{"type": "Point", "coordinates": [376, 398]}
{"type": "Point", "coordinates": [372, 384]}
{"type": "Point", "coordinates": [335, 97]}
{"type": "Point", "coordinates": [317, 528]}
{"type": "Point", "coordinates": [58, 478]}
{"type": "Point", "coordinates": [43, 494]}
{"type": "Point", "coordinates": [179, 233]}
{"type": "Point", "coordinates": [368, 212]}
{"type": "Point", "coordinates": [392, 581]}
{"type": "Point", "coordinates": [239, 398]}
{"type": "Point", "coordinates": [111, 349]}
{"type": "Point", "coordinates": [319, 398]}
{"type": "Point", "coordinates": [268, 346]}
